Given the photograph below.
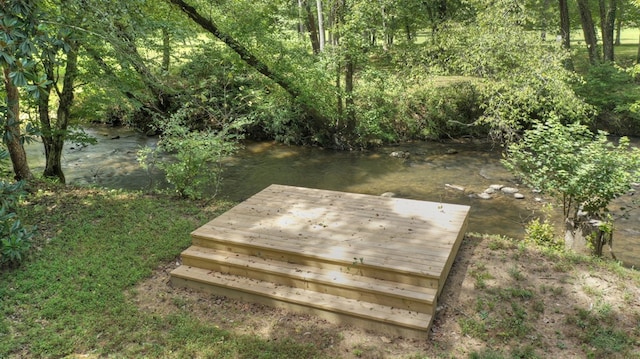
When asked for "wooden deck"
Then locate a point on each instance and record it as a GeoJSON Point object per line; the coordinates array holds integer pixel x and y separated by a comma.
{"type": "Point", "coordinates": [370, 261]}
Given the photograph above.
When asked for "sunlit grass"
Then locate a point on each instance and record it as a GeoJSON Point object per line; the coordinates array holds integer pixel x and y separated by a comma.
{"type": "Point", "coordinates": [93, 247]}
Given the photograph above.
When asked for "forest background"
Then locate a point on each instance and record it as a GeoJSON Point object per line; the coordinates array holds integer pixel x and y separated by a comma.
{"type": "Point", "coordinates": [341, 74]}
{"type": "Point", "coordinates": [338, 74]}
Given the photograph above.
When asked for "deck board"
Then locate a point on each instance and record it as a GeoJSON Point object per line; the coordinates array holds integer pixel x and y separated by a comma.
{"type": "Point", "coordinates": [409, 234]}
{"type": "Point", "coordinates": [348, 257]}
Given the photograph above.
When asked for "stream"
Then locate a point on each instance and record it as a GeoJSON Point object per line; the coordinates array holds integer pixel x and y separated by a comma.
{"type": "Point", "coordinates": [431, 171]}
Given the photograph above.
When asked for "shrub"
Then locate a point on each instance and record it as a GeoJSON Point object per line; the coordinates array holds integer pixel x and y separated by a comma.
{"type": "Point", "coordinates": [583, 170]}
{"type": "Point", "coordinates": [15, 238]}
{"type": "Point", "coordinates": [435, 111]}
{"type": "Point", "coordinates": [392, 107]}
{"type": "Point", "coordinates": [542, 233]}
{"type": "Point", "coordinates": [195, 165]}
{"type": "Point", "coordinates": [614, 93]}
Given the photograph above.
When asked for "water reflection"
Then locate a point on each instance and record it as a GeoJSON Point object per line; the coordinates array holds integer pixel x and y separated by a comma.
{"type": "Point", "coordinates": [423, 176]}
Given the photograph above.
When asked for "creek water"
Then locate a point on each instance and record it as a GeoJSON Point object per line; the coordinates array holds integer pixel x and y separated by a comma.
{"type": "Point", "coordinates": [431, 171]}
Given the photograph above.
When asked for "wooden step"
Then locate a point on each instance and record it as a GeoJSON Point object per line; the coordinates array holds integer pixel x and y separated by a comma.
{"type": "Point", "coordinates": [342, 283]}
{"type": "Point", "coordinates": [379, 318]}
{"type": "Point", "coordinates": [372, 267]}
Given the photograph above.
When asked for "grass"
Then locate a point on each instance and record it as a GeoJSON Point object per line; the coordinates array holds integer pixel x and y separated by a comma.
{"type": "Point", "coordinates": [76, 294]}
{"type": "Point", "coordinates": [71, 296]}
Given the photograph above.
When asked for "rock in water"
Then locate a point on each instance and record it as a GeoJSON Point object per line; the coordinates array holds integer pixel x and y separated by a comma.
{"type": "Point", "coordinates": [509, 190]}
{"type": "Point", "coordinates": [400, 154]}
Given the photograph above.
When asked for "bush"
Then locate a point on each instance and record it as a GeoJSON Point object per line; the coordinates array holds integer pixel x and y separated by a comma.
{"type": "Point", "coordinates": [391, 107]}
{"type": "Point", "coordinates": [543, 233]}
{"type": "Point", "coordinates": [614, 93]}
{"type": "Point", "coordinates": [582, 170]}
{"type": "Point", "coordinates": [196, 167]}
{"type": "Point", "coordinates": [15, 238]}
{"type": "Point", "coordinates": [444, 110]}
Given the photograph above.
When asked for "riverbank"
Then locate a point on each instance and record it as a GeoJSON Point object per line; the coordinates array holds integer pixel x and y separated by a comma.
{"type": "Point", "coordinates": [96, 286]}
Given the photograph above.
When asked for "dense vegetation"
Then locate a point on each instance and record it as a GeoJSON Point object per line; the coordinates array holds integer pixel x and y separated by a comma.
{"type": "Point", "coordinates": [342, 74]}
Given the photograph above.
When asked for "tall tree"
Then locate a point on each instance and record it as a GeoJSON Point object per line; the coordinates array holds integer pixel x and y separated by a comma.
{"type": "Point", "coordinates": [565, 25]}
{"type": "Point", "coordinates": [607, 26]}
{"type": "Point", "coordinates": [318, 120]}
{"type": "Point", "coordinates": [19, 25]}
{"type": "Point", "coordinates": [588, 28]}
{"type": "Point", "coordinates": [321, 34]}
{"type": "Point", "coordinates": [54, 131]}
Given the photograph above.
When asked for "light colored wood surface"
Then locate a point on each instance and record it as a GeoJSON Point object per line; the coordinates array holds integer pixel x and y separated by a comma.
{"type": "Point", "coordinates": [372, 261]}
{"type": "Point", "coordinates": [409, 235]}
{"type": "Point", "coordinates": [341, 283]}
{"type": "Point", "coordinates": [337, 309]}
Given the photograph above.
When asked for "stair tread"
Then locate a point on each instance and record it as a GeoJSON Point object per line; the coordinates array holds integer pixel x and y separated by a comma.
{"type": "Point", "coordinates": [320, 248]}
{"type": "Point", "coordinates": [313, 274]}
{"type": "Point", "coordinates": [322, 301]}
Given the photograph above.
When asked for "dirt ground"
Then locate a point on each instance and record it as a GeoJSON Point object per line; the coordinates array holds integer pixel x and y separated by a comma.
{"type": "Point", "coordinates": [490, 281]}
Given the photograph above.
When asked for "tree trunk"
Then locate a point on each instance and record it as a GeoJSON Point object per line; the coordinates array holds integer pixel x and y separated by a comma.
{"type": "Point", "coordinates": [13, 135]}
{"type": "Point", "coordinates": [320, 25]}
{"type": "Point", "coordinates": [318, 121]}
{"type": "Point", "coordinates": [55, 143]}
{"type": "Point", "coordinates": [385, 29]}
{"type": "Point", "coordinates": [166, 49]}
{"type": "Point", "coordinates": [586, 236]}
{"type": "Point", "coordinates": [638, 53]}
{"type": "Point", "coordinates": [312, 28]}
{"type": "Point", "coordinates": [545, 8]}
{"type": "Point", "coordinates": [607, 25]}
{"type": "Point", "coordinates": [349, 74]}
{"type": "Point", "coordinates": [589, 31]}
{"type": "Point", "coordinates": [565, 25]}
{"type": "Point", "coordinates": [565, 32]}
{"type": "Point", "coordinates": [52, 169]}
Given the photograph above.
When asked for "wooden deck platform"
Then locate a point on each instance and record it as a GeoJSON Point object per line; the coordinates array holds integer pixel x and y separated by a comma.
{"type": "Point", "coordinates": [370, 261]}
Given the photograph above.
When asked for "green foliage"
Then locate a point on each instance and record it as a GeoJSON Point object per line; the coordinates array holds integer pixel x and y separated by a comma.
{"type": "Point", "coordinates": [584, 170]}
{"type": "Point", "coordinates": [435, 110]}
{"type": "Point", "coordinates": [198, 155]}
{"type": "Point", "coordinates": [15, 238]}
{"type": "Point", "coordinates": [543, 234]}
{"type": "Point", "coordinates": [614, 93]}
{"type": "Point", "coordinates": [396, 107]}
{"type": "Point", "coordinates": [598, 329]}
{"type": "Point", "coordinates": [524, 78]}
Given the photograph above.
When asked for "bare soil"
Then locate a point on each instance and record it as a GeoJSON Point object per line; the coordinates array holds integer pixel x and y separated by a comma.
{"type": "Point", "coordinates": [500, 299]}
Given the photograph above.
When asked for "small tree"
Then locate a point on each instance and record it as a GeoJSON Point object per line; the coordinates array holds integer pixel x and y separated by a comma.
{"type": "Point", "coordinates": [586, 171]}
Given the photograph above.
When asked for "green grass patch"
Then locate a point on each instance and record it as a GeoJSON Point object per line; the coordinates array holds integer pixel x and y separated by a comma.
{"type": "Point", "coordinates": [93, 246]}
{"type": "Point", "coordinates": [597, 329]}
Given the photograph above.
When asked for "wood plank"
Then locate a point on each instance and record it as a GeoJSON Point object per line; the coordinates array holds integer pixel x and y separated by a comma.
{"type": "Point", "coordinates": [354, 267]}
{"type": "Point", "coordinates": [429, 217]}
{"type": "Point", "coordinates": [339, 283]}
{"type": "Point", "coordinates": [403, 262]}
{"type": "Point", "coordinates": [293, 245]}
{"type": "Point", "coordinates": [339, 310]}
{"type": "Point", "coordinates": [396, 209]}
{"type": "Point", "coordinates": [302, 243]}
{"type": "Point", "coordinates": [347, 229]}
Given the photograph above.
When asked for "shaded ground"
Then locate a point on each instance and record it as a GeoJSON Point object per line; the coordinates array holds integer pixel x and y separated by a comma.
{"type": "Point", "coordinates": [501, 300]}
